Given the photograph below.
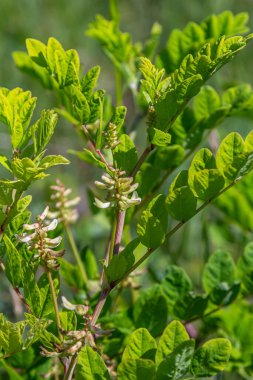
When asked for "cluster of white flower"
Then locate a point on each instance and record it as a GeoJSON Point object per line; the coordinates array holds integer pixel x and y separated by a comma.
{"type": "Point", "coordinates": [120, 191]}
{"type": "Point", "coordinates": [37, 240]}
{"type": "Point", "coordinates": [73, 341]}
{"type": "Point", "coordinates": [65, 210]}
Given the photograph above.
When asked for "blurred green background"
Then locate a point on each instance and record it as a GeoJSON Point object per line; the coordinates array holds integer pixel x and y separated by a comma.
{"type": "Point", "coordinates": [67, 21]}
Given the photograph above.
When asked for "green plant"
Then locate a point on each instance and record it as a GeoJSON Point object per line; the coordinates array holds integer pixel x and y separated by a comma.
{"type": "Point", "coordinates": [142, 333]}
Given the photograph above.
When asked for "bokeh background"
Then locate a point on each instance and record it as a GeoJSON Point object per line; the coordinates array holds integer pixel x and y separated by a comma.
{"type": "Point", "coordinates": [67, 22]}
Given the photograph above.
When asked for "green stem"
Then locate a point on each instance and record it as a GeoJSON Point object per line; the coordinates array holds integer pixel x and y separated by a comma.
{"type": "Point", "coordinates": [118, 80]}
{"type": "Point", "coordinates": [113, 235]}
{"type": "Point", "coordinates": [75, 252]}
{"type": "Point", "coordinates": [57, 314]}
{"type": "Point", "coordinates": [114, 11]}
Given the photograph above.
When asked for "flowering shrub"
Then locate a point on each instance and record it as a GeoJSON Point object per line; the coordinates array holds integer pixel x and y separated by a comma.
{"type": "Point", "coordinates": [121, 329]}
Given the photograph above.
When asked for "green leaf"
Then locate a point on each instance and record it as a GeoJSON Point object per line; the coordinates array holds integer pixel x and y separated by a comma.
{"type": "Point", "coordinates": [23, 203]}
{"type": "Point", "coordinates": [49, 161]}
{"type": "Point", "coordinates": [46, 301]}
{"type": "Point", "coordinates": [138, 369]}
{"type": "Point", "coordinates": [153, 84]}
{"type": "Point", "coordinates": [31, 290]}
{"type": "Point", "coordinates": [150, 311]}
{"type": "Point", "coordinates": [36, 330]}
{"type": "Point", "coordinates": [211, 358]}
{"type": "Point", "coordinates": [120, 264]}
{"type": "Point", "coordinates": [181, 201]}
{"type": "Point", "coordinates": [175, 284]}
{"type": "Point", "coordinates": [174, 334]}
{"type": "Point", "coordinates": [204, 179]}
{"type": "Point", "coordinates": [125, 154]}
{"type": "Point", "coordinates": [10, 335]}
{"type": "Point", "coordinates": [26, 170]}
{"type": "Point", "coordinates": [5, 163]}
{"type": "Point", "coordinates": [190, 305]}
{"type": "Point", "coordinates": [68, 320]}
{"type": "Point", "coordinates": [12, 373]}
{"type": "Point", "coordinates": [90, 366]}
{"type": "Point", "coordinates": [193, 36]}
{"type": "Point", "coordinates": [44, 129]}
{"type": "Point", "coordinates": [37, 51]}
{"type": "Point", "coordinates": [140, 345]}
{"type": "Point", "coordinates": [219, 268]}
{"type": "Point", "coordinates": [158, 137]}
{"type": "Point", "coordinates": [224, 293]}
{"type": "Point", "coordinates": [89, 81]}
{"type": "Point", "coordinates": [231, 156]}
{"type": "Point", "coordinates": [90, 263]}
{"type": "Point", "coordinates": [178, 362]}
{"type": "Point", "coordinates": [26, 64]}
{"type": "Point", "coordinates": [71, 274]}
{"type": "Point", "coordinates": [118, 117]}
{"type": "Point", "coordinates": [152, 226]}
{"type": "Point", "coordinates": [206, 102]}
{"type": "Point", "coordinates": [245, 268]}
{"type": "Point", "coordinates": [13, 263]}
{"type": "Point", "coordinates": [169, 156]}
{"type": "Point", "coordinates": [147, 177]}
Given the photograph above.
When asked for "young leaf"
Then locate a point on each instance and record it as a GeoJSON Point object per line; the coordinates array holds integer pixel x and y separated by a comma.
{"type": "Point", "coordinates": [181, 201]}
{"type": "Point", "coordinates": [177, 364]}
{"type": "Point", "coordinates": [89, 81]}
{"type": "Point", "coordinates": [13, 263]}
{"type": "Point", "coordinates": [44, 129]}
{"type": "Point", "coordinates": [49, 161]}
{"type": "Point", "coordinates": [139, 369]}
{"type": "Point", "coordinates": [206, 102]}
{"type": "Point", "coordinates": [211, 358]}
{"type": "Point", "coordinates": [32, 291]}
{"type": "Point", "coordinates": [125, 154]}
{"type": "Point", "coordinates": [47, 306]}
{"type": "Point", "coordinates": [11, 335]}
{"type": "Point", "coordinates": [152, 226]}
{"type": "Point", "coordinates": [204, 179]}
{"type": "Point", "coordinates": [90, 365]}
{"type": "Point", "coordinates": [37, 51]}
{"type": "Point", "coordinates": [174, 334]}
{"type": "Point", "coordinates": [140, 345]}
{"type": "Point", "coordinates": [158, 137]}
{"type": "Point", "coordinates": [231, 156]}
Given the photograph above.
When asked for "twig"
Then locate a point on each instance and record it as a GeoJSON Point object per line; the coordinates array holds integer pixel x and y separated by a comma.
{"type": "Point", "coordinates": [57, 315]}
{"type": "Point", "coordinates": [142, 158]}
{"type": "Point", "coordinates": [22, 299]}
{"type": "Point", "coordinates": [95, 149]}
{"type": "Point", "coordinates": [70, 369]}
{"type": "Point", "coordinates": [119, 231]}
{"type": "Point", "coordinates": [203, 316]}
{"type": "Point", "coordinates": [99, 305]}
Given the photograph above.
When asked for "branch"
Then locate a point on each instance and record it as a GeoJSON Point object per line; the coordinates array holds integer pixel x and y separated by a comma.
{"type": "Point", "coordinates": [172, 232]}
{"type": "Point", "coordinates": [95, 149]}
